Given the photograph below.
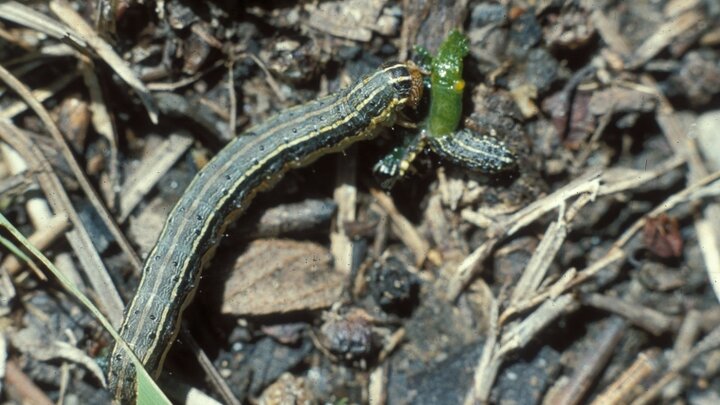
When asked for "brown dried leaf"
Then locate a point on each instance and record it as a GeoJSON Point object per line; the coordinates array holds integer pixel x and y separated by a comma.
{"type": "Point", "coordinates": [74, 120]}
{"type": "Point", "coordinates": [661, 236]}
{"type": "Point", "coordinates": [276, 276]}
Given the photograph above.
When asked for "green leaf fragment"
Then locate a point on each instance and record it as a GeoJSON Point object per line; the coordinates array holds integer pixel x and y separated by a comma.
{"type": "Point", "coordinates": [447, 85]}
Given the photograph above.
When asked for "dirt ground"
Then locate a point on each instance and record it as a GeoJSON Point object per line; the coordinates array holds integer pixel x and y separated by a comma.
{"type": "Point", "coordinates": [588, 273]}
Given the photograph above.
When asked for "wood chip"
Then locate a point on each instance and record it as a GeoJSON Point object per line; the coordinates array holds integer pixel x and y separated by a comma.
{"type": "Point", "coordinates": [618, 99]}
{"type": "Point", "coordinates": [351, 19]}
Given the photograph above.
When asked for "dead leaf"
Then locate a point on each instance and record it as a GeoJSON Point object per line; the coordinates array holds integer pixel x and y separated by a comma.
{"type": "Point", "coordinates": [278, 276]}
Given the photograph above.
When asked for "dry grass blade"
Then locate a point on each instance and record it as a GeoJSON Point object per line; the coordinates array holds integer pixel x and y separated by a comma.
{"type": "Point", "coordinates": [42, 238]}
{"type": "Point", "coordinates": [56, 349]}
{"type": "Point", "coordinates": [103, 124]}
{"type": "Point", "coordinates": [148, 391]}
{"type": "Point", "coordinates": [470, 267]}
{"type": "Point", "coordinates": [40, 94]}
{"type": "Point", "coordinates": [616, 180]}
{"type": "Point", "coordinates": [708, 233]}
{"type": "Point", "coordinates": [377, 387]}
{"type": "Point", "coordinates": [78, 237]}
{"type": "Point", "coordinates": [702, 188]}
{"type": "Point", "coordinates": [269, 78]}
{"type": "Point", "coordinates": [588, 183]}
{"type": "Point", "coordinates": [24, 15]}
{"type": "Point", "coordinates": [14, 185]}
{"type": "Point", "coordinates": [80, 34]}
{"type": "Point", "coordinates": [232, 122]}
{"type": "Point", "coordinates": [63, 10]}
{"type": "Point", "coordinates": [609, 30]}
{"type": "Point", "coordinates": [38, 211]}
{"type": "Point", "coordinates": [67, 153]}
{"type": "Point", "coordinates": [707, 223]}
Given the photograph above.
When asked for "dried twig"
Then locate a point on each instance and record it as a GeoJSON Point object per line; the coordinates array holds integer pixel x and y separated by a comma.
{"type": "Point", "coordinates": [615, 254]}
{"type": "Point", "coordinates": [620, 390]}
{"type": "Point", "coordinates": [78, 237]}
{"type": "Point", "coordinates": [590, 365]}
{"type": "Point", "coordinates": [77, 25]}
{"type": "Point", "coordinates": [345, 195]}
{"type": "Point", "coordinates": [710, 342]}
{"type": "Point", "coordinates": [24, 386]}
{"type": "Point", "coordinates": [404, 228]}
{"type": "Point", "coordinates": [67, 153]}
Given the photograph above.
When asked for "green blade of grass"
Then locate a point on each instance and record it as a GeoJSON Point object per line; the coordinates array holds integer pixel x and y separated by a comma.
{"type": "Point", "coordinates": [148, 391]}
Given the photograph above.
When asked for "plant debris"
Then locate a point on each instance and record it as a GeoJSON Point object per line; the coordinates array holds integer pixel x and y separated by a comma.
{"type": "Point", "coordinates": [591, 274]}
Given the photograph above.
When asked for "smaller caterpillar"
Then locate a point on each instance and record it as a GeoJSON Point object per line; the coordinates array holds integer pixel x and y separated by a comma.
{"type": "Point", "coordinates": [468, 149]}
{"type": "Point", "coordinates": [465, 147]}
